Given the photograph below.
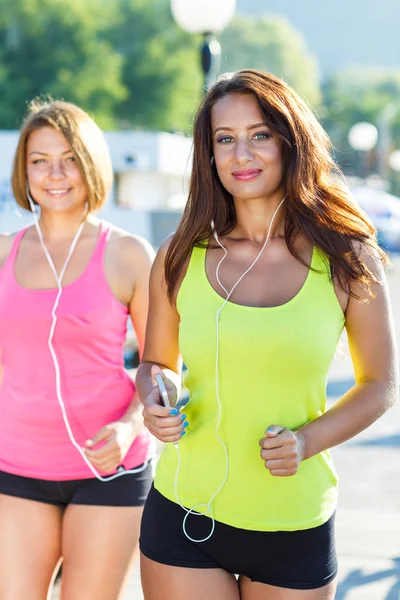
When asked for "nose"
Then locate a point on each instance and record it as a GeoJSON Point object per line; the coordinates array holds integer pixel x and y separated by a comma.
{"type": "Point", "coordinates": [243, 152]}
{"type": "Point", "coordinates": [57, 170]}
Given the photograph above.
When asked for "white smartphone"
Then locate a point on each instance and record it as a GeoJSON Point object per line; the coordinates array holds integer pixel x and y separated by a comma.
{"type": "Point", "coordinates": [163, 390]}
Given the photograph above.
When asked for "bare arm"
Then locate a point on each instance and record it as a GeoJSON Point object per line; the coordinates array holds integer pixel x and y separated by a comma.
{"type": "Point", "coordinates": [372, 343]}
{"type": "Point", "coordinates": [161, 352]}
{"type": "Point", "coordinates": [6, 241]}
{"type": "Point", "coordinates": [141, 257]}
{"type": "Point", "coordinates": [162, 346]}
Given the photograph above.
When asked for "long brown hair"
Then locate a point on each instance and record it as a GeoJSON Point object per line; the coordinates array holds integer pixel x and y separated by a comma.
{"type": "Point", "coordinates": [318, 205]}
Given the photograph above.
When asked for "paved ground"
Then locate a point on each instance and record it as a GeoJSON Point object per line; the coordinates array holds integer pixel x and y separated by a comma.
{"type": "Point", "coordinates": [368, 517]}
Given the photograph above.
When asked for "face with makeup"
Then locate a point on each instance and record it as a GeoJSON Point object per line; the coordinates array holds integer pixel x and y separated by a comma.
{"type": "Point", "coordinates": [54, 179]}
{"type": "Point", "coordinates": [248, 155]}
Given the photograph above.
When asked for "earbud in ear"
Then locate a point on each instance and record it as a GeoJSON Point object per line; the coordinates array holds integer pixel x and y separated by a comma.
{"type": "Point", "coordinates": [214, 231]}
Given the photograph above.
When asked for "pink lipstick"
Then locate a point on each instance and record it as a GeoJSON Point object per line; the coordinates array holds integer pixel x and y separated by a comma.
{"type": "Point", "coordinates": [246, 174]}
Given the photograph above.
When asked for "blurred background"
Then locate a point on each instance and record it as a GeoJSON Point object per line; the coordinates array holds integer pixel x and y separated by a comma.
{"type": "Point", "coordinates": [140, 68]}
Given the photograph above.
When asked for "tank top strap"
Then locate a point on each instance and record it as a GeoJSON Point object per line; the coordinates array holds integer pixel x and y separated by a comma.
{"type": "Point", "coordinates": [104, 236]}
{"type": "Point", "coordinates": [321, 266]}
{"type": "Point", "coordinates": [196, 264]}
{"type": "Point", "coordinates": [195, 279]}
{"type": "Point", "coordinates": [319, 283]}
{"type": "Point", "coordinates": [320, 261]}
{"type": "Point", "coordinates": [10, 260]}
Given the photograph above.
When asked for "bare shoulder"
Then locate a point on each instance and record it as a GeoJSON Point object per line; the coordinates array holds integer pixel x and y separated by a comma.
{"type": "Point", "coordinates": [159, 266]}
{"type": "Point", "coordinates": [158, 270]}
{"type": "Point", "coordinates": [374, 259]}
{"type": "Point", "coordinates": [130, 248]}
{"type": "Point", "coordinates": [163, 249]}
{"type": "Point", "coordinates": [6, 242]}
{"type": "Point", "coordinates": [128, 261]}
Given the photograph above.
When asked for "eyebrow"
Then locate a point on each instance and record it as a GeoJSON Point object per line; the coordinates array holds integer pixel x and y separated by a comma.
{"type": "Point", "coordinates": [248, 128]}
{"type": "Point", "coordinates": [45, 153]}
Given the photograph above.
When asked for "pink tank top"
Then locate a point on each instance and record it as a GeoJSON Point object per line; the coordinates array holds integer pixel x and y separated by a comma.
{"type": "Point", "coordinates": [96, 389]}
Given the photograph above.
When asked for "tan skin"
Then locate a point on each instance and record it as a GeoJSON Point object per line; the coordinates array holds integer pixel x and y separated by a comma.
{"type": "Point", "coordinates": [96, 559]}
{"type": "Point", "coordinates": [238, 145]}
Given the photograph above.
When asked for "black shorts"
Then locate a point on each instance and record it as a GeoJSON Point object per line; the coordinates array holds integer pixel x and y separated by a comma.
{"type": "Point", "coordinates": [130, 489]}
{"type": "Point", "coordinates": [302, 560]}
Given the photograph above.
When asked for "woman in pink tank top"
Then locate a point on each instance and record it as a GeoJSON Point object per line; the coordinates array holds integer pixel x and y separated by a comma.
{"type": "Point", "coordinates": [74, 457]}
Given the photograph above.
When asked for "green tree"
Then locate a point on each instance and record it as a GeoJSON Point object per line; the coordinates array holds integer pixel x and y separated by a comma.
{"type": "Point", "coordinates": [57, 48]}
{"type": "Point", "coordinates": [359, 94]}
{"type": "Point", "coordinates": [127, 62]}
{"type": "Point", "coordinates": [270, 43]}
{"type": "Point", "coordinates": [161, 66]}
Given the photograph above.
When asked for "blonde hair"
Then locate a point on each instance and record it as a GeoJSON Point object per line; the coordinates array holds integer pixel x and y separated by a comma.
{"type": "Point", "coordinates": [87, 143]}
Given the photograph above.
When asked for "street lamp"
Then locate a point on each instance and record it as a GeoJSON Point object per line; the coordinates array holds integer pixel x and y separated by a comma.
{"type": "Point", "coordinates": [394, 160]}
{"type": "Point", "coordinates": [394, 164]}
{"type": "Point", "coordinates": [363, 138]}
{"type": "Point", "coordinates": [206, 17]}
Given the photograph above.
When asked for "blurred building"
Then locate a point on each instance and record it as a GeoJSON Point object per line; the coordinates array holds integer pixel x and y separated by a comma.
{"type": "Point", "coordinates": [151, 172]}
{"type": "Point", "coordinates": [151, 169]}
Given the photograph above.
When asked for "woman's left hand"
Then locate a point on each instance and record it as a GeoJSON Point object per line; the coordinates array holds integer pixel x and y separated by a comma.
{"type": "Point", "coordinates": [282, 450]}
{"type": "Point", "coordinates": [117, 438]}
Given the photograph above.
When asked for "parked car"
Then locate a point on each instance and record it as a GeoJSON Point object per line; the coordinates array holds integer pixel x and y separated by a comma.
{"type": "Point", "coordinates": [384, 211]}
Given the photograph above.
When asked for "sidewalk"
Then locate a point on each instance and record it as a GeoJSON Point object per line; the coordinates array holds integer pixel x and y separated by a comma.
{"type": "Point", "coordinates": [368, 517]}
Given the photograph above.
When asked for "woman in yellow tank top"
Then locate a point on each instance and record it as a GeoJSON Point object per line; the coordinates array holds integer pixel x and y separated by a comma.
{"type": "Point", "coordinates": [270, 261]}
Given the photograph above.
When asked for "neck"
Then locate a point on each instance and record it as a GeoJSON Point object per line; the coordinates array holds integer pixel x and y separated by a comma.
{"type": "Point", "coordinates": [57, 227]}
{"type": "Point", "coordinates": [254, 219]}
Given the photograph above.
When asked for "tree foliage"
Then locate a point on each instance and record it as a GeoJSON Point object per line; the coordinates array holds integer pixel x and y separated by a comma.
{"type": "Point", "coordinates": [270, 43]}
{"type": "Point", "coordinates": [360, 94]}
{"type": "Point", "coordinates": [126, 61]}
{"type": "Point", "coordinates": [50, 47]}
{"type": "Point", "coordinates": [161, 70]}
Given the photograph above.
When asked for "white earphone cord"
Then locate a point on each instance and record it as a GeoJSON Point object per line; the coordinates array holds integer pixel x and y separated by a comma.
{"type": "Point", "coordinates": [228, 295]}
{"type": "Point", "coordinates": [59, 279]}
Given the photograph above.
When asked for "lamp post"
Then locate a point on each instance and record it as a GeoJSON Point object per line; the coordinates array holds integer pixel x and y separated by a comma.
{"type": "Point", "coordinates": [363, 137]}
{"type": "Point", "coordinates": [206, 17]}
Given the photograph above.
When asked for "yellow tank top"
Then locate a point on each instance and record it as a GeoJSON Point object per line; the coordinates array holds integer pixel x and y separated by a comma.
{"type": "Point", "coordinates": [273, 368]}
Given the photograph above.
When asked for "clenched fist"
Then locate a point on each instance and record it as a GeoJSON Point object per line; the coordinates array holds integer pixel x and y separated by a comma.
{"type": "Point", "coordinates": [282, 450]}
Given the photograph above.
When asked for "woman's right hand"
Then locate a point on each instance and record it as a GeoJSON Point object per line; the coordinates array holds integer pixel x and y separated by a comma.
{"type": "Point", "coordinates": [167, 424]}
